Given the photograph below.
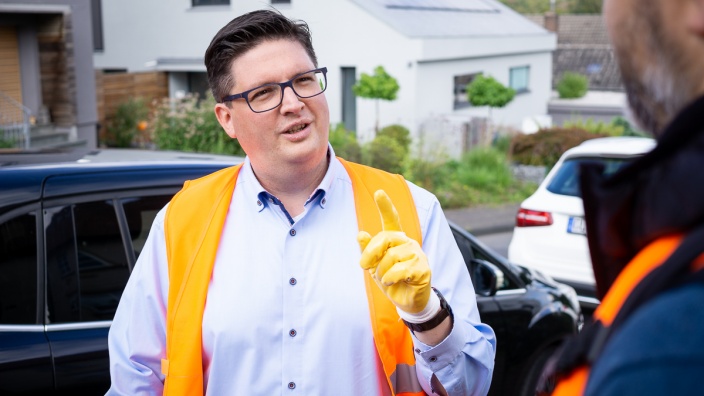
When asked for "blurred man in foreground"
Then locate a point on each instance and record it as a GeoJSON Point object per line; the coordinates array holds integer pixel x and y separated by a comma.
{"type": "Point", "coordinates": [645, 224]}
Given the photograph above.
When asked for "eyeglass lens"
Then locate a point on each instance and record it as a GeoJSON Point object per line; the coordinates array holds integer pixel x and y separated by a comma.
{"type": "Point", "coordinates": [270, 96]}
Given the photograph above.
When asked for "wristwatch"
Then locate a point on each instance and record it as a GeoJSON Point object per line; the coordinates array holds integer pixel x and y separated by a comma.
{"type": "Point", "coordinates": [443, 313]}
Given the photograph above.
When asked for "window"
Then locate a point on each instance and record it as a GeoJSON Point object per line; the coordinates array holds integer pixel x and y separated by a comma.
{"type": "Point", "coordinates": [140, 214]}
{"type": "Point", "coordinates": [97, 20]}
{"type": "Point", "coordinates": [566, 179]}
{"type": "Point", "coordinates": [518, 78]}
{"type": "Point", "coordinates": [86, 262]}
{"type": "Point", "coordinates": [460, 90]}
{"type": "Point", "coordinates": [18, 270]}
{"type": "Point", "coordinates": [349, 100]}
{"type": "Point", "coordinates": [197, 3]}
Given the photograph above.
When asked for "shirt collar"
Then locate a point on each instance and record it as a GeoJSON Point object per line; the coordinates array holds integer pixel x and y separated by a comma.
{"type": "Point", "coordinates": [260, 198]}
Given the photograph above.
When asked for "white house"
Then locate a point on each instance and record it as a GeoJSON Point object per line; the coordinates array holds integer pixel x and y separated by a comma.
{"type": "Point", "coordinates": [432, 47]}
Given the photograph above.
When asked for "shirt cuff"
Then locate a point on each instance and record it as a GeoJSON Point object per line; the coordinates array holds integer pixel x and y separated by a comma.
{"type": "Point", "coordinates": [441, 355]}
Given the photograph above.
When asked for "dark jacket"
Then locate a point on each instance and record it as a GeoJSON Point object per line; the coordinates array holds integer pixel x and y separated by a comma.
{"type": "Point", "coordinates": [658, 349]}
{"type": "Point", "coordinates": [658, 194]}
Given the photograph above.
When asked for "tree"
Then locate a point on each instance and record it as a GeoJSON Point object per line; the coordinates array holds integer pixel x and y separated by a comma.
{"type": "Point", "coordinates": [486, 91]}
{"type": "Point", "coordinates": [572, 85]}
{"type": "Point", "coordinates": [380, 86]}
{"type": "Point", "coordinates": [585, 6]}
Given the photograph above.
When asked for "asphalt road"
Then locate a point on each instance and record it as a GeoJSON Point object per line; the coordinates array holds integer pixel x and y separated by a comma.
{"type": "Point", "coordinates": [497, 241]}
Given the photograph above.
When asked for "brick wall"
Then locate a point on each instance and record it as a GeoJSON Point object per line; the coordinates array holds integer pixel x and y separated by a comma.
{"type": "Point", "coordinates": [57, 68]}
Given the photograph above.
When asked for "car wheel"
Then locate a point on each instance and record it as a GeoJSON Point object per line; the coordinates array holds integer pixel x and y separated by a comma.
{"type": "Point", "coordinates": [535, 366]}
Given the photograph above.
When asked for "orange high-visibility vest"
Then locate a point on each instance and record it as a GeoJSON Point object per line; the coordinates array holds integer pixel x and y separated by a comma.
{"type": "Point", "coordinates": [192, 229]}
{"type": "Point", "coordinates": [645, 262]}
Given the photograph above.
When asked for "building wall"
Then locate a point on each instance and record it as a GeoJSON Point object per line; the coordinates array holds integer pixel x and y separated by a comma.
{"type": "Point", "coordinates": [436, 85]}
{"type": "Point", "coordinates": [73, 93]}
{"type": "Point", "coordinates": [10, 65]}
{"type": "Point", "coordinates": [344, 35]}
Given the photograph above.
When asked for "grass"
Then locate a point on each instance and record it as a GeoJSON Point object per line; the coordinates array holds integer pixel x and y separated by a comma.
{"type": "Point", "coordinates": [481, 177]}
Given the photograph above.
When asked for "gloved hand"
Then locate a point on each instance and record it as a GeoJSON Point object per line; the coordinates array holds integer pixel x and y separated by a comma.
{"type": "Point", "coordinates": [396, 262]}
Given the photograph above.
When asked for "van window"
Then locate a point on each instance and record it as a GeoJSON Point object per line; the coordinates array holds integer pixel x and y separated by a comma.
{"type": "Point", "coordinates": [18, 270]}
{"type": "Point", "coordinates": [86, 262]}
{"type": "Point", "coordinates": [140, 213]}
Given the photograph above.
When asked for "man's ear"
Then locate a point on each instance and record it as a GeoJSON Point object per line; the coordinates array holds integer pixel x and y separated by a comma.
{"type": "Point", "coordinates": [695, 17]}
{"type": "Point", "coordinates": [224, 116]}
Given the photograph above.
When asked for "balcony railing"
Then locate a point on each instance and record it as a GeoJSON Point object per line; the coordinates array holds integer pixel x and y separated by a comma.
{"type": "Point", "coordinates": [14, 123]}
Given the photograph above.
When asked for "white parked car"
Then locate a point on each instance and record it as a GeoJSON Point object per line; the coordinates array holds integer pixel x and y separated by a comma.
{"type": "Point", "coordinates": [550, 233]}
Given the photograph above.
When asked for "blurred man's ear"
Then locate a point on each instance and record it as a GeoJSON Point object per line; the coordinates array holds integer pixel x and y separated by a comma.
{"type": "Point", "coordinates": [695, 17]}
{"type": "Point", "coordinates": [224, 116]}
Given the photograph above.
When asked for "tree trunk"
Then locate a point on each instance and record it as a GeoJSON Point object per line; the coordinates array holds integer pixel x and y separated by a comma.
{"type": "Point", "coordinates": [376, 126]}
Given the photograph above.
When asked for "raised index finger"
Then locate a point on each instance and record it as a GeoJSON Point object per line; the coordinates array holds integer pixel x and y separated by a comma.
{"type": "Point", "coordinates": [389, 215]}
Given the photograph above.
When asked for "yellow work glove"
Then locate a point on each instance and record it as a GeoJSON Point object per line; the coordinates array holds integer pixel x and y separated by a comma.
{"type": "Point", "coordinates": [396, 262]}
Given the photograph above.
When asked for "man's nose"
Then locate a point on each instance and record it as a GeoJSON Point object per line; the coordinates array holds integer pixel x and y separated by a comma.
{"type": "Point", "coordinates": [290, 101]}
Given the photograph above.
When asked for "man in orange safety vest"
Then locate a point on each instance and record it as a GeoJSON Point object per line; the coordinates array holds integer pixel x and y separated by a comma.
{"type": "Point", "coordinates": [295, 272]}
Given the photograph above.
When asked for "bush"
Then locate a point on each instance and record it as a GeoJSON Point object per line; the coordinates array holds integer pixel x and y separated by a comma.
{"type": "Point", "coordinates": [486, 91]}
{"type": "Point", "coordinates": [572, 85]}
{"type": "Point", "coordinates": [482, 176]}
{"type": "Point", "coordinates": [502, 142]}
{"type": "Point", "coordinates": [128, 123]}
{"type": "Point", "coordinates": [6, 143]}
{"type": "Point", "coordinates": [431, 175]}
{"type": "Point", "coordinates": [399, 133]}
{"type": "Point", "coordinates": [190, 125]}
{"type": "Point", "coordinates": [597, 127]}
{"type": "Point", "coordinates": [345, 143]}
{"type": "Point", "coordinates": [628, 129]}
{"type": "Point", "coordinates": [384, 152]}
{"type": "Point", "coordinates": [547, 145]}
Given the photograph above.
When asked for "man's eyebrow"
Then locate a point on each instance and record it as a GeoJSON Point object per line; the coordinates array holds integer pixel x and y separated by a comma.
{"type": "Point", "coordinates": [275, 82]}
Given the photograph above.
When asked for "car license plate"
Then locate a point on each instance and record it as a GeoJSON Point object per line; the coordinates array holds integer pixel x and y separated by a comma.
{"type": "Point", "coordinates": [576, 225]}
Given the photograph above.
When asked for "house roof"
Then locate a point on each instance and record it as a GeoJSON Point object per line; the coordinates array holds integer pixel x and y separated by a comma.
{"type": "Point", "coordinates": [577, 29]}
{"type": "Point", "coordinates": [583, 47]}
{"type": "Point", "coordinates": [450, 18]}
{"type": "Point", "coordinates": [598, 64]}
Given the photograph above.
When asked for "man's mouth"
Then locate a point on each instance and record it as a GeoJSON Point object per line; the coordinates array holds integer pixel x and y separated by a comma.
{"type": "Point", "coordinates": [297, 128]}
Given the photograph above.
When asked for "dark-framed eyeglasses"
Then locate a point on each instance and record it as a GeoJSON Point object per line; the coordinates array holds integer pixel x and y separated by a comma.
{"type": "Point", "coordinates": [269, 96]}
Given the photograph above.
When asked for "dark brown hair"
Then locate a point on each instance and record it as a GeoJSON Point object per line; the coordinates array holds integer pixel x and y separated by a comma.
{"type": "Point", "coordinates": [244, 33]}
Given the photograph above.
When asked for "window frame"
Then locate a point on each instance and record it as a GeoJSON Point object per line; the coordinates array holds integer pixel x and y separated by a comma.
{"type": "Point", "coordinates": [117, 198]}
{"type": "Point", "coordinates": [35, 208]}
{"type": "Point", "coordinates": [209, 3]}
{"type": "Point", "coordinates": [460, 88]}
{"type": "Point", "coordinates": [511, 77]}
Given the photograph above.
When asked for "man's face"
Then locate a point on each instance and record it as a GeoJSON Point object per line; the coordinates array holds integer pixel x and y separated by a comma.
{"type": "Point", "coordinates": [293, 134]}
{"type": "Point", "coordinates": [650, 46]}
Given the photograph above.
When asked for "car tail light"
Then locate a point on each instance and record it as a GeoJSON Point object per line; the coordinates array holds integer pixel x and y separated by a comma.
{"type": "Point", "coordinates": [532, 218]}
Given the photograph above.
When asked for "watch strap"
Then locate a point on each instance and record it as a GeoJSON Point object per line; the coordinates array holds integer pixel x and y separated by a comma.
{"type": "Point", "coordinates": [435, 321]}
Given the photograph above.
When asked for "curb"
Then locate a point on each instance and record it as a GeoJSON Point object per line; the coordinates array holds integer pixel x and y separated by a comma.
{"type": "Point", "coordinates": [497, 229]}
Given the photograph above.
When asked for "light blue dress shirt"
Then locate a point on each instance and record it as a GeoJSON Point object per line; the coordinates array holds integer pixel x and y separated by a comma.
{"type": "Point", "coordinates": [287, 312]}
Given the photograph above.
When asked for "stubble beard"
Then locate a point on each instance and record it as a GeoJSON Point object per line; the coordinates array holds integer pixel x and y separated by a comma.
{"type": "Point", "coordinates": [659, 90]}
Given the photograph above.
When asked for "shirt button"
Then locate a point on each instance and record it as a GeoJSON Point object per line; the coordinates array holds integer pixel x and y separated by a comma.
{"type": "Point", "coordinates": [292, 281]}
{"type": "Point", "coordinates": [323, 201]}
{"type": "Point", "coordinates": [433, 359]}
{"type": "Point", "coordinates": [292, 232]}
{"type": "Point", "coordinates": [292, 385]}
{"type": "Point", "coordinates": [417, 350]}
{"type": "Point", "coordinates": [292, 332]}
{"type": "Point", "coordinates": [259, 203]}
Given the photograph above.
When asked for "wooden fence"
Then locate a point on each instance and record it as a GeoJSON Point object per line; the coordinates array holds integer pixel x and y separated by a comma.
{"type": "Point", "coordinates": [113, 89]}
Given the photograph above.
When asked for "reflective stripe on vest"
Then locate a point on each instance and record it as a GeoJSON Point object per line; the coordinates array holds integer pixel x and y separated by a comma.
{"type": "Point", "coordinates": [192, 235]}
{"type": "Point", "coordinates": [645, 262]}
